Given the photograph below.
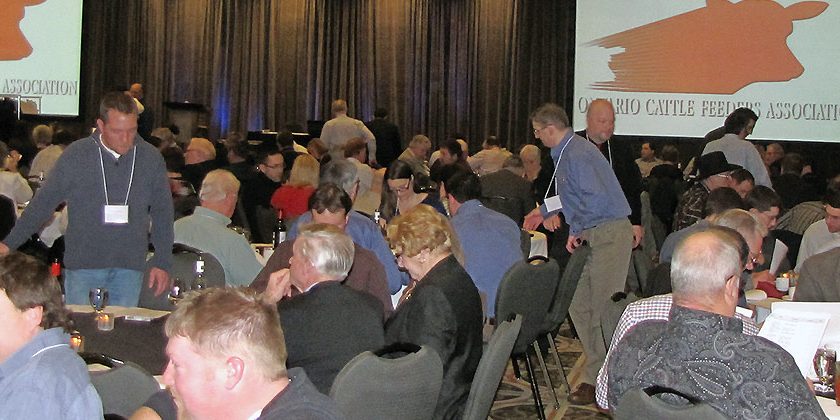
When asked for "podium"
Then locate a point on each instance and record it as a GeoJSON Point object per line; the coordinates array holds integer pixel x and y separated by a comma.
{"type": "Point", "coordinates": [187, 116]}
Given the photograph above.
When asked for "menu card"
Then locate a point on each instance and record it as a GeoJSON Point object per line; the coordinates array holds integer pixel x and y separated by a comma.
{"type": "Point", "coordinates": [798, 332]}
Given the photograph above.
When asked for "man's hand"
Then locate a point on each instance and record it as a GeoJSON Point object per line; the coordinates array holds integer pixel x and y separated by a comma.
{"type": "Point", "coordinates": [763, 276]}
{"type": "Point", "coordinates": [572, 243]}
{"type": "Point", "coordinates": [533, 219]}
{"type": "Point", "coordinates": [638, 235]}
{"type": "Point", "coordinates": [552, 223]}
{"type": "Point", "coordinates": [279, 286]}
{"type": "Point", "coordinates": [4, 249]}
{"type": "Point", "coordinates": [159, 280]}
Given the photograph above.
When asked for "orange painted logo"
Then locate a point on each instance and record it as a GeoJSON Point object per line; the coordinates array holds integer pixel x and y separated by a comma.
{"type": "Point", "coordinates": [13, 45]}
{"type": "Point", "coordinates": [718, 49]}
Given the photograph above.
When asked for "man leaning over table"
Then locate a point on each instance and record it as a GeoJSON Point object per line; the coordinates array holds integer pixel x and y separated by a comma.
{"type": "Point", "coordinates": [585, 189]}
{"type": "Point", "coordinates": [41, 377]}
{"type": "Point", "coordinates": [701, 350]}
{"type": "Point", "coordinates": [115, 187]}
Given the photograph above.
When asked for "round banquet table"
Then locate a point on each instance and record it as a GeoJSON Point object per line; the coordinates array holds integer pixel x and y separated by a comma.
{"type": "Point", "coordinates": [140, 342]}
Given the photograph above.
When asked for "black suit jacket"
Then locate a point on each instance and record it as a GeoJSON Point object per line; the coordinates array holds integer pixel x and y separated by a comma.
{"type": "Point", "coordinates": [388, 142]}
{"type": "Point", "coordinates": [623, 161]}
{"type": "Point", "coordinates": [444, 312]}
{"type": "Point", "coordinates": [326, 327]}
{"type": "Point", "coordinates": [504, 183]}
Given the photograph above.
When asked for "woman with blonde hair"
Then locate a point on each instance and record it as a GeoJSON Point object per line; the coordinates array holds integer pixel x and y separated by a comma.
{"type": "Point", "coordinates": [291, 199]}
{"type": "Point", "coordinates": [441, 308]}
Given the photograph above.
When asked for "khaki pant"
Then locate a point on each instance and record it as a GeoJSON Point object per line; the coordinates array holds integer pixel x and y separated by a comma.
{"type": "Point", "coordinates": [604, 274]}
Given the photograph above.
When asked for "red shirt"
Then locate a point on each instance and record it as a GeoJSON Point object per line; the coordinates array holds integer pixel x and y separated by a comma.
{"type": "Point", "coordinates": [291, 201]}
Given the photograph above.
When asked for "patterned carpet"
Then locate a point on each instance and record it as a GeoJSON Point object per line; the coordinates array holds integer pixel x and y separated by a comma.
{"type": "Point", "coordinates": [514, 399]}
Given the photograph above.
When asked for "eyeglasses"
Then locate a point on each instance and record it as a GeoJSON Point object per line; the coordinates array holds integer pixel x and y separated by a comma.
{"type": "Point", "coordinates": [401, 188]}
{"type": "Point", "coordinates": [275, 166]}
{"type": "Point", "coordinates": [537, 130]}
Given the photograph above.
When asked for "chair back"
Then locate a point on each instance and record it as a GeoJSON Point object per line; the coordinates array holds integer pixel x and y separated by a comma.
{"type": "Point", "coordinates": [183, 267]}
{"type": "Point", "coordinates": [527, 289]}
{"type": "Point", "coordinates": [8, 215]}
{"type": "Point", "coordinates": [124, 387]}
{"type": "Point", "coordinates": [638, 403]}
{"type": "Point", "coordinates": [490, 369]}
{"type": "Point", "coordinates": [566, 289]}
{"type": "Point", "coordinates": [376, 387]}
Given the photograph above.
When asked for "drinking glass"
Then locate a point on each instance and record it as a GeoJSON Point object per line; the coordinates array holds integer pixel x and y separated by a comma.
{"type": "Point", "coordinates": [824, 366]}
{"type": "Point", "coordinates": [98, 298]}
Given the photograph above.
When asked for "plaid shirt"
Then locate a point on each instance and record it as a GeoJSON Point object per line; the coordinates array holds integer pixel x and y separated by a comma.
{"type": "Point", "coordinates": [653, 308]}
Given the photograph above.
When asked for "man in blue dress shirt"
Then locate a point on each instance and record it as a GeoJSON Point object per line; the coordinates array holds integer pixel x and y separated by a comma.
{"type": "Point", "coordinates": [489, 239]}
{"type": "Point", "coordinates": [584, 188]}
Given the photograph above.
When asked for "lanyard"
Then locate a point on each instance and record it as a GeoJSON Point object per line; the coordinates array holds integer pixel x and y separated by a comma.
{"type": "Point", "coordinates": [47, 348]}
{"type": "Point", "coordinates": [130, 177]}
{"type": "Point", "coordinates": [556, 166]}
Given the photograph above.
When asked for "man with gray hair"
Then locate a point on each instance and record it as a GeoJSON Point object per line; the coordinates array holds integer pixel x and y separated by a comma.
{"type": "Point", "coordinates": [362, 229]}
{"type": "Point", "coordinates": [341, 128]}
{"type": "Point", "coordinates": [700, 352]}
{"type": "Point", "coordinates": [417, 153]}
{"type": "Point", "coordinates": [327, 323]}
{"type": "Point", "coordinates": [206, 229]}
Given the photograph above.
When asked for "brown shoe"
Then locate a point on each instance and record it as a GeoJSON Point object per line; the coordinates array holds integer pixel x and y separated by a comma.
{"type": "Point", "coordinates": [584, 395]}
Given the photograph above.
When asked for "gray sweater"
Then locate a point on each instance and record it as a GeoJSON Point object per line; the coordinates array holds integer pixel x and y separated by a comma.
{"type": "Point", "coordinates": [90, 243]}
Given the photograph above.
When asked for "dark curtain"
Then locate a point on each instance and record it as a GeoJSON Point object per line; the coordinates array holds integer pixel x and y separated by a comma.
{"type": "Point", "coordinates": [475, 67]}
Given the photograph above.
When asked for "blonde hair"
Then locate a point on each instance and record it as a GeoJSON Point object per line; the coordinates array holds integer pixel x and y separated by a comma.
{"type": "Point", "coordinates": [223, 321]}
{"type": "Point", "coordinates": [204, 146]}
{"type": "Point", "coordinates": [420, 228]}
{"type": "Point", "coordinates": [304, 172]}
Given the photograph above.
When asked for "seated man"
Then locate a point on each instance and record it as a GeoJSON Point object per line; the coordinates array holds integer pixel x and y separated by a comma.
{"type": "Point", "coordinates": [818, 280]}
{"type": "Point", "coordinates": [823, 234]}
{"type": "Point", "coordinates": [200, 159]}
{"type": "Point", "coordinates": [331, 205]}
{"type": "Point", "coordinates": [206, 229]}
{"type": "Point", "coordinates": [510, 184]}
{"type": "Point", "coordinates": [491, 157]}
{"type": "Point", "coordinates": [714, 172]}
{"type": "Point", "coordinates": [489, 239]}
{"type": "Point", "coordinates": [684, 353]}
{"type": "Point", "coordinates": [227, 360]}
{"type": "Point", "coordinates": [327, 324]}
{"type": "Point", "coordinates": [416, 154]}
{"type": "Point", "coordinates": [766, 205]}
{"type": "Point", "coordinates": [40, 376]}
{"type": "Point", "coordinates": [362, 229]}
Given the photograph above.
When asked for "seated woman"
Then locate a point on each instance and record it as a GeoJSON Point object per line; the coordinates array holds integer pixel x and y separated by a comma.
{"type": "Point", "coordinates": [402, 190]}
{"type": "Point", "coordinates": [290, 200]}
{"type": "Point", "coordinates": [441, 308]}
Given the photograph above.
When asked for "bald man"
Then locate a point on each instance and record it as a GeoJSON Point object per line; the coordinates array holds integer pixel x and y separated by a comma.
{"type": "Point", "coordinates": [600, 127]}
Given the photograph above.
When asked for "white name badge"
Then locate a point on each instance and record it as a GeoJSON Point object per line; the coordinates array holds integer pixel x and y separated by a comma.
{"type": "Point", "coordinates": [117, 215]}
{"type": "Point", "coordinates": [553, 203]}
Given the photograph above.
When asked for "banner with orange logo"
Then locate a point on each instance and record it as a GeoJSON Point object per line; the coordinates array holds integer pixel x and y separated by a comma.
{"type": "Point", "coordinates": [678, 68]}
{"type": "Point", "coordinates": [40, 54]}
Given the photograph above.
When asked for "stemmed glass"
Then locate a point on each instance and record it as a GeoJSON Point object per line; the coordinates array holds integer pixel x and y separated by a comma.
{"type": "Point", "coordinates": [179, 289]}
{"type": "Point", "coordinates": [98, 298]}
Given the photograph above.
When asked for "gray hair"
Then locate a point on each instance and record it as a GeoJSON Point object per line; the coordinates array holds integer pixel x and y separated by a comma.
{"type": "Point", "coordinates": [705, 260]}
{"type": "Point", "coordinates": [743, 222]}
{"type": "Point", "coordinates": [551, 114]}
{"type": "Point", "coordinates": [327, 248]}
{"type": "Point", "coordinates": [340, 172]}
{"type": "Point", "coordinates": [217, 185]}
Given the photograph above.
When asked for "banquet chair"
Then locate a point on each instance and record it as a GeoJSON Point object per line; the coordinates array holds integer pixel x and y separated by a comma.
{"type": "Point", "coordinates": [528, 289]}
{"type": "Point", "coordinates": [490, 369]}
{"type": "Point", "coordinates": [379, 386]}
{"type": "Point", "coordinates": [183, 267]}
{"type": "Point", "coordinates": [562, 301]}
{"type": "Point", "coordinates": [8, 215]}
{"type": "Point", "coordinates": [637, 403]}
{"type": "Point", "coordinates": [124, 387]}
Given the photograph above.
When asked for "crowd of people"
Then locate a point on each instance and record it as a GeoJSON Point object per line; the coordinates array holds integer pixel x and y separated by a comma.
{"type": "Point", "coordinates": [388, 245]}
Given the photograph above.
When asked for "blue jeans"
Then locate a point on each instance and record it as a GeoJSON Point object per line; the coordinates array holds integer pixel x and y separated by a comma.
{"type": "Point", "coordinates": [123, 285]}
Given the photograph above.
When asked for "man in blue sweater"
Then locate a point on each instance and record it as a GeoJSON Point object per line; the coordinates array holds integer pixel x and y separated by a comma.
{"type": "Point", "coordinates": [115, 187]}
{"type": "Point", "coordinates": [585, 189]}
